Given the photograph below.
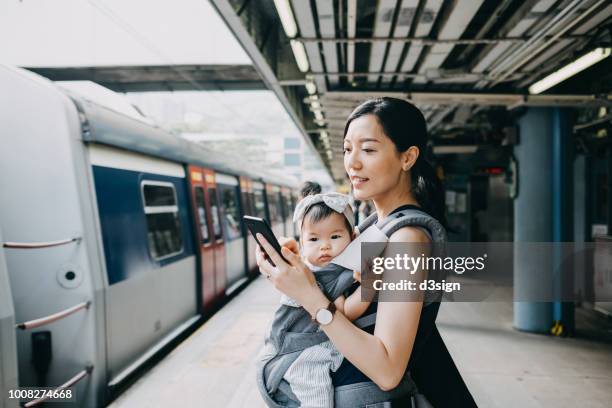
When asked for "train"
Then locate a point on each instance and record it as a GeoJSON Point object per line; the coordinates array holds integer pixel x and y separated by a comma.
{"type": "Point", "coordinates": [118, 236]}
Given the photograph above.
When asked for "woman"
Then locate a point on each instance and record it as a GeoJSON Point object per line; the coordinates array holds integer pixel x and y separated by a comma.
{"type": "Point", "coordinates": [384, 141]}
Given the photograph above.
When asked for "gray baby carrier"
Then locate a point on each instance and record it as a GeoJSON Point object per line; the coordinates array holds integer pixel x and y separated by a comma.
{"type": "Point", "coordinates": [293, 330]}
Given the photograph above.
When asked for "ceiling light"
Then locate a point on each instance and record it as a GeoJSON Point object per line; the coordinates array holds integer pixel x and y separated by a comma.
{"type": "Point", "coordinates": [318, 115]}
{"type": "Point", "coordinates": [311, 88]}
{"type": "Point", "coordinates": [570, 69]}
{"type": "Point", "coordinates": [325, 139]}
{"type": "Point", "coordinates": [300, 55]}
{"type": "Point", "coordinates": [286, 17]}
{"type": "Point", "coordinates": [315, 105]}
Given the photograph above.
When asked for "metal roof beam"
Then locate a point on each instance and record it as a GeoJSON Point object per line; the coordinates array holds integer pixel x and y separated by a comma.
{"type": "Point", "coordinates": [382, 28]}
{"type": "Point", "coordinates": [343, 99]}
{"type": "Point", "coordinates": [161, 77]}
{"type": "Point", "coordinates": [267, 60]}
{"type": "Point", "coordinates": [429, 41]}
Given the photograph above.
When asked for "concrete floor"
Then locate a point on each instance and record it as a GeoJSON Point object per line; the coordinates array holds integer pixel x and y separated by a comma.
{"type": "Point", "coordinates": [502, 367]}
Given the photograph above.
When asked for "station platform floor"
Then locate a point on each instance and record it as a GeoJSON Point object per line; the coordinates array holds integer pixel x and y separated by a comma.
{"type": "Point", "coordinates": [502, 367]}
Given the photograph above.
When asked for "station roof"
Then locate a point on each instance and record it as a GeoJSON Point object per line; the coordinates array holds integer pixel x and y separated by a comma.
{"type": "Point", "coordinates": [466, 64]}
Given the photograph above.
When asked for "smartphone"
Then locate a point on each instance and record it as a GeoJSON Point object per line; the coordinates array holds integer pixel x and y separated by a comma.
{"type": "Point", "coordinates": [259, 225]}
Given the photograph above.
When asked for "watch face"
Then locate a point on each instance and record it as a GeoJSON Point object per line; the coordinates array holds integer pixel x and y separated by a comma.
{"type": "Point", "coordinates": [324, 316]}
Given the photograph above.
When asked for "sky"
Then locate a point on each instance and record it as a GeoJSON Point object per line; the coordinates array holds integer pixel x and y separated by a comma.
{"type": "Point", "coordinates": [64, 33]}
{"type": "Point", "coordinates": [115, 32]}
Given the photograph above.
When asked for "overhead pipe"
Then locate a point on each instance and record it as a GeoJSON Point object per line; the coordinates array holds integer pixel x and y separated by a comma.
{"type": "Point", "coordinates": [552, 24]}
{"type": "Point", "coordinates": [555, 37]}
{"type": "Point", "coordinates": [526, 52]}
{"type": "Point", "coordinates": [520, 23]}
{"type": "Point", "coordinates": [429, 41]}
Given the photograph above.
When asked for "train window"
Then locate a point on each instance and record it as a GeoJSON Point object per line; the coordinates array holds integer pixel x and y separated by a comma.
{"type": "Point", "coordinates": [229, 203]}
{"type": "Point", "coordinates": [260, 205]}
{"type": "Point", "coordinates": [214, 209]}
{"type": "Point", "coordinates": [201, 210]}
{"type": "Point", "coordinates": [163, 222]}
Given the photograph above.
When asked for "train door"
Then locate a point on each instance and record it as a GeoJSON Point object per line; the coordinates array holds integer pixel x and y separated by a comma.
{"type": "Point", "coordinates": [246, 193]}
{"type": "Point", "coordinates": [204, 235]}
{"type": "Point", "coordinates": [143, 205]}
{"type": "Point", "coordinates": [294, 230]}
{"type": "Point", "coordinates": [229, 195]}
{"type": "Point", "coordinates": [274, 209]}
{"type": "Point", "coordinates": [287, 211]}
{"type": "Point", "coordinates": [259, 200]}
{"type": "Point", "coordinates": [218, 243]}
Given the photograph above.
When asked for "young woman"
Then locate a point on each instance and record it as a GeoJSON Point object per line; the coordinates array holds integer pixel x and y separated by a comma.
{"type": "Point", "coordinates": [384, 142]}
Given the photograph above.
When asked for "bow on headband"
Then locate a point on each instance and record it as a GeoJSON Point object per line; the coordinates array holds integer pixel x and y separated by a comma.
{"type": "Point", "coordinates": [336, 201]}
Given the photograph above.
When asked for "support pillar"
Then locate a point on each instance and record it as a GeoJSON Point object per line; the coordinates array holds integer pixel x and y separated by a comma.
{"type": "Point", "coordinates": [542, 213]}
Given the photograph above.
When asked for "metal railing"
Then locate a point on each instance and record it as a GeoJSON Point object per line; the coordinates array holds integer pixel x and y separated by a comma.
{"type": "Point", "coordinates": [32, 324]}
{"type": "Point", "coordinates": [71, 382]}
{"type": "Point", "coordinates": [36, 245]}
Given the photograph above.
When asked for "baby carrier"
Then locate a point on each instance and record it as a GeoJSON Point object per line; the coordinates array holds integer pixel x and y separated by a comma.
{"type": "Point", "coordinates": [293, 330]}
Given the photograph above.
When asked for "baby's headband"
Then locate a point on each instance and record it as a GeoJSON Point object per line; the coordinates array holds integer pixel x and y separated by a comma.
{"type": "Point", "coordinates": [336, 201]}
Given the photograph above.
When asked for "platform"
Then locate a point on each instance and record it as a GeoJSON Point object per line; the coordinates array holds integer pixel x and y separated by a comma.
{"type": "Point", "coordinates": [502, 367]}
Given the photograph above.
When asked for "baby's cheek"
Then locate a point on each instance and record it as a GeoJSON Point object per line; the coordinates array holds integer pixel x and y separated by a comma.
{"type": "Point", "coordinates": [341, 247]}
{"type": "Point", "coordinates": [308, 252]}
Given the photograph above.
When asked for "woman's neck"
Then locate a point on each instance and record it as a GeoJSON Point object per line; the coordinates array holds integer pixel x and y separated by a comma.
{"type": "Point", "coordinates": [393, 199]}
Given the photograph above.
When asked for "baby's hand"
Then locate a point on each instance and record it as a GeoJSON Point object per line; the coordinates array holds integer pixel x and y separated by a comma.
{"type": "Point", "coordinates": [357, 276]}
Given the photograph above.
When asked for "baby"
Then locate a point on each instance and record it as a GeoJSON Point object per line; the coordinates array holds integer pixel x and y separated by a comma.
{"type": "Point", "coordinates": [326, 225]}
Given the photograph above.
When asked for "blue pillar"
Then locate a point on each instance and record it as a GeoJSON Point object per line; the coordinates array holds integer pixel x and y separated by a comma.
{"type": "Point", "coordinates": [563, 311]}
{"type": "Point", "coordinates": [543, 213]}
{"type": "Point", "coordinates": [533, 221]}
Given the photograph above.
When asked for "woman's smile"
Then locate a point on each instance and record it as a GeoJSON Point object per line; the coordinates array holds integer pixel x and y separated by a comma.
{"type": "Point", "coordinates": [358, 182]}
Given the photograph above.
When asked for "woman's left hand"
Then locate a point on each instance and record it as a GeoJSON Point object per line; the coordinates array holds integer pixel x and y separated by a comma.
{"type": "Point", "coordinates": [294, 279]}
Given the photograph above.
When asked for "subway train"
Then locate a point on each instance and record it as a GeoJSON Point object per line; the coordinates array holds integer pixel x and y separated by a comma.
{"type": "Point", "coordinates": [118, 236]}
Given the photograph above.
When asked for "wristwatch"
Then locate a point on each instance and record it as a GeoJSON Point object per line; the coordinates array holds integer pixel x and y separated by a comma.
{"type": "Point", "coordinates": [325, 315]}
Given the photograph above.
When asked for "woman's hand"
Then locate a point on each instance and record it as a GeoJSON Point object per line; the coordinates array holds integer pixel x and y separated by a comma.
{"type": "Point", "coordinates": [294, 279]}
{"type": "Point", "coordinates": [290, 243]}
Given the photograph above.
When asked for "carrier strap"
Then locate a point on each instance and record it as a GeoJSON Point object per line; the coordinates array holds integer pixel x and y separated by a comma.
{"type": "Point", "coordinates": [365, 321]}
{"type": "Point", "coordinates": [400, 219]}
{"type": "Point", "coordinates": [370, 220]}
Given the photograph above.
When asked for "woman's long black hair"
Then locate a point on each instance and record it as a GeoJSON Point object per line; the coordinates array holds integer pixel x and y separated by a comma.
{"type": "Point", "coordinates": [405, 125]}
